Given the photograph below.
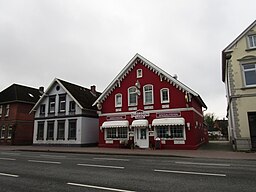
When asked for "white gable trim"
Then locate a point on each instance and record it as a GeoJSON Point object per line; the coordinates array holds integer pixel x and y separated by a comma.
{"type": "Point", "coordinates": [128, 68]}
{"type": "Point", "coordinates": [46, 94]}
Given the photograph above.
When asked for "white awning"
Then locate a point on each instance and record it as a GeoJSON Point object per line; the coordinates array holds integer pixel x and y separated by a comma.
{"type": "Point", "coordinates": [140, 123]}
{"type": "Point", "coordinates": [114, 124]}
{"type": "Point", "coordinates": [168, 121]}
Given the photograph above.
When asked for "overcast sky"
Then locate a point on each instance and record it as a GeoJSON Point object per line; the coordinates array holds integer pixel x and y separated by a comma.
{"type": "Point", "coordinates": [89, 41]}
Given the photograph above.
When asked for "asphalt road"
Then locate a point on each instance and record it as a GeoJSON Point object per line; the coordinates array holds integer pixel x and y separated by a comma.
{"type": "Point", "coordinates": [35, 171]}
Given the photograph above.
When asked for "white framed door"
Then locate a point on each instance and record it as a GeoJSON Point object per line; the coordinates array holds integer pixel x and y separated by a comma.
{"type": "Point", "coordinates": [141, 138]}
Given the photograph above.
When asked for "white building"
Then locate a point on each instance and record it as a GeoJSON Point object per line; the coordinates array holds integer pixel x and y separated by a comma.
{"type": "Point", "coordinates": [64, 115]}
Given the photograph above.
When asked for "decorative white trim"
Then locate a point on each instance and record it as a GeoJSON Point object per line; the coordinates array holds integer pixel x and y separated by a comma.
{"type": "Point", "coordinates": [154, 111]}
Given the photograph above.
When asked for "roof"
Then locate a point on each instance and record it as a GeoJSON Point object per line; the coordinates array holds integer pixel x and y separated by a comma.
{"type": "Point", "coordinates": [228, 50]}
{"type": "Point", "coordinates": [83, 97]}
{"type": "Point", "coordinates": [19, 93]}
{"type": "Point", "coordinates": [152, 67]}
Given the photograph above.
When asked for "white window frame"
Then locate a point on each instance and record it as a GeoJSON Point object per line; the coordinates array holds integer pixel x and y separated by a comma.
{"type": "Point", "coordinates": [139, 73]}
{"type": "Point", "coordinates": [116, 100]}
{"type": "Point", "coordinates": [248, 70]}
{"type": "Point", "coordinates": [161, 93]}
{"type": "Point", "coordinates": [129, 103]}
{"type": "Point", "coordinates": [9, 132]}
{"type": "Point", "coordinates": [7, 110]}
{"type": "Point", "coordinates": [62, 103]}
{"type": "Point", "coordinates": [144, 94]}
{"type": "Point", "coordinates": [169, 132]}
{"type": "Point", "coordinates": [52, 104]}
{"type": "Point", "coordinates": [3, 132]}
{"type": "Point", "coordinates": [1, 110]}
{"type": "Point", "coordinates": [117, 132]}
{"type": "Point", "coordinates": [251, 39]}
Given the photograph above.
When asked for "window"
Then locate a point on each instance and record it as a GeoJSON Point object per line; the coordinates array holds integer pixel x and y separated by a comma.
{"type": "Point", "coordinates": [9, 132]}
{"type": "Point", "coordinates": [165, 95]}
{"type": "Point", "coordinates": [62, 103]}
{"type": "Point", "coordinates": [52, 104]}
{"type": "Point", "coordinates": [40, 131]}
{"type": "Point", "coordinates": [72, 106]}
{"type": "Point", "coordinates": [132, 96]}
{"type": "Point", "coordinates": [61, 130]}
{"type": "Point", "coordinates": [7, 110]}
{"type": "Point", "coordinates": [249, 74]}
{"type": "Point", "coordinates": [1, 110]}
{"type": "Point", "coordinates": [170, 131]}
{"type": "Point", "coordinates": [139, 73]}
{"type": "Point", "coordinates": [42, 109]}
{"type": "Point", "coordinates": [111, 132]}
{"type": "Point", "coordinates": [116, 133]}
{"type": "Point", "coordinates": [3, 132]}
{"type": "Point", "coordinates": [252, 41]}
{"type": "Point", "coordinates": [50, 130]}
{"type": "Point", "coordinates": [72, 129]}
{"type": "Point", "coordinates": [162, 132]}
{"type": "Point", "coordinates": [122, 132]}
{"type": "Point", "coordinates": [118, 100]}
{"type": "Point", "coordinates": [148, 94]}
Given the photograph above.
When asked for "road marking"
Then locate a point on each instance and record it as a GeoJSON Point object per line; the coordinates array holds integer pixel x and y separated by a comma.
{"type": "Point", "coordinates": [191, 173]}
{"type": "Point", "coordinates": [111, 159]}
{"type": "Point", "coordinates": [101, 166]}
{"type": "Point", "coordinates": [53, 156]}
{"type": "Point", "coordinates": [48, 162]}
{"type": "Point", "coordinates": [7, 159]}
{"type": "Point", "coordinates": [8, 175]}
{"type": "Point", "coordinates": [7, 153]}
{"type": "Point", "coordinates": [98, 187]}
{"type": "Point", "coordinates": [211, 164]}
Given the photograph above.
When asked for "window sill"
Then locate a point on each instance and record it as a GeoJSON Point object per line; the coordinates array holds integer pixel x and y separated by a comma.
{"type": "Point", "coordinates": [249, 87]}
{"type": "Point", "coordinates": [250, 49]}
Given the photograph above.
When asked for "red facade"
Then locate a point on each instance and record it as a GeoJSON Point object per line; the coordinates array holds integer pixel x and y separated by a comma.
{"type": "Point", "coordinates": [16, 126]}
{"type": "Point", "coordinates": [167, 114]}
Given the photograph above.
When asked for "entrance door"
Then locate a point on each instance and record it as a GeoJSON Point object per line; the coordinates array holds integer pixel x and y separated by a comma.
{"type": "Point", "coordinates": [252, 125]}
{"type": "Point", "coordinates": [141, 137]}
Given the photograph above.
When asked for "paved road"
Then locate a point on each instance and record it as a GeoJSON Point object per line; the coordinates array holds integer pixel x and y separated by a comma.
{"type": "Point", "coordinates": [41, 171]}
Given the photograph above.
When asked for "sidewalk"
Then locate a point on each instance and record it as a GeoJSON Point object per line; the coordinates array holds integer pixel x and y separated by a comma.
{"type": "Point", "coordinates": [211, 150]}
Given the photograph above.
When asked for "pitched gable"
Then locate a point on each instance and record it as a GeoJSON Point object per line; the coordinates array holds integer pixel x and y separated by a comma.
{"type": "Point", "coordinates": [138, 59]}
{"type": "Point", "coordinates": [81, 95]}
{"type": "Point", "coordinates": [20, 93]}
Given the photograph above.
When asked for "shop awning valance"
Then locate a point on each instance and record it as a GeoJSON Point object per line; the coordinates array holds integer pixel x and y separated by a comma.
{"type": "Point", "coordinates": [168, 121]}
{"type": "Point", "coordinates": [115, 124]}
{"type": "Point", "coordinates": [140, 123]}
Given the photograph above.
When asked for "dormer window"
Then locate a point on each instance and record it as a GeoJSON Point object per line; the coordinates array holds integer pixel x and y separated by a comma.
{"type": "Point", "coordinates": [252, 41]}
{"type": "Point", "coordinates": [118, 100]}
{"type": "Point", "coordinates": [139, 73]}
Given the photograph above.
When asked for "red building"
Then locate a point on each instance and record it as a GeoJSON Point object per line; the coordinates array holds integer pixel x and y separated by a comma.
{"type": "Point", "coordinates": [146, 107]}
{"type": "Point", "coordinates": [16, 124]}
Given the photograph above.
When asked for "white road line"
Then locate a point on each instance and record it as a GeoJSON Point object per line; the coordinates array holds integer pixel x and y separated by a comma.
{"type": "Point", "coordinates": [210, 164]}
{"type": "Point", "coordinates": [7, 159]}
{"type": "Point", "coordinates": [101, 166]}
{"type": "Point", "coordinates": [8, 175]}
{"type": "Point", "coordinates": [191, 173]}
{"type": "Point", "coordinates": [53, 156]}
{"type": "Point", "coordinates": [98, 187]}
{"type": "Point", "coordinates": [111, 159]}
{"type": "Point", "coordinates": [48, 162]}
{"type": "Point", "coordinates": [7, 153]}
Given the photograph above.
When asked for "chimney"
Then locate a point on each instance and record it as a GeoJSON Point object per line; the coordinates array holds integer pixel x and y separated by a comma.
{"type": "Point", "coordinates": [93, 89]}
{"type": "Point", "coordinates": [41, 90]}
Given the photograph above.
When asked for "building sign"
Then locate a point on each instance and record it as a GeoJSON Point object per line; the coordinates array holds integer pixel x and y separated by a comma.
{"type": "Point", "coordinates": [115, 118]}
{"type": "Point", "coordinates": [168, 114]}
{"type": "Point", "coordinates": [139, 114]}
